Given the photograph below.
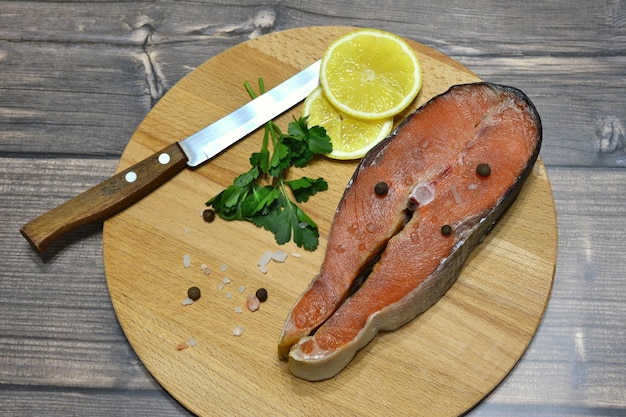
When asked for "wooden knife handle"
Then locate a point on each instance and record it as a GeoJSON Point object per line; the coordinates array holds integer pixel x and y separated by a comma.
{"type": "Point", "coordinates": [107, 198]}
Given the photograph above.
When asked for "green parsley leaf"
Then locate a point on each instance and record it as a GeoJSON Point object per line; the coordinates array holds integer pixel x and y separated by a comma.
{"type": "Point", "coordinates": [280, 159]}
{"type": "Point", "coordinates": [287, 221]}
{"type": "Point", "coordinates": [319, 142]}
{"type": "Point", "coordinates": [259, 201]}
{"type": "Point", "coordinates": [304, 187]}
{"type": "Point", "coordinates": [306, 231]}
{"type": "Point", "coordinates": [247, 178]}
{"type": "Point", "coordinates": [227, 203]}
{"type": "Point", "coordinates": [269, 206]}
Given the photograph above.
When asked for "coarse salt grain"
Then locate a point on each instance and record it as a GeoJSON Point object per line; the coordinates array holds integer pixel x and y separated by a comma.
{"type": "Point", "coordinates": [238, 310]}
{"type": "Point", "coordinates": [229, 295]}
{"type": "Point", "coordinates": [223, 268]}
{"type": "Point", "coordinates": [226, 280]}
{"type": "Point", "coordinates": [187, 301]}
{"type": "Point", "coordinates": [265, 258]}
{"type": "Point", "coordinates": [191, 341]}
{"type": "Point", "coordinates": [423, 193]}
{"type": "Point", "coordinates": [241, 289]}
{"type": "Point", "coordinates": [203, 267]}
{"type": "Point", "coordinates": [238, 331]}
{"type": "Point", "coordinates": [279, 256]}
{"type": "Point", "coordinates": [296, 254]}
{"type": "Point", "coordinates": [221, 286]}
{"type": "Point", "coordinates": [186, 260]}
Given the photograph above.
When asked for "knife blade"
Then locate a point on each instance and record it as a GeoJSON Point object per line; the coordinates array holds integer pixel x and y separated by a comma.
{"type": "Point", "coordinates": [133, 183]}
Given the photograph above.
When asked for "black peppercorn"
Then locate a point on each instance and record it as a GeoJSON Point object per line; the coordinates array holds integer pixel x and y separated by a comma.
{"type": "Point", "coordinates": [261, 294]}
{"type": "Point", "coordinates": [193, 293]}
{"type": "Point", "coordinates": [484, 170]}
{"type": "Point", "coordinates": [381, 189]}
{"type": "Point", "coordinates": [208, 215]}
{"type": "Point", "coordinates": [446, 230]}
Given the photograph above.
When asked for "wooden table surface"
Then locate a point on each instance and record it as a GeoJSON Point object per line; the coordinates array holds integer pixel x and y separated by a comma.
{"type": "Point", "coordinates": [76, 79]}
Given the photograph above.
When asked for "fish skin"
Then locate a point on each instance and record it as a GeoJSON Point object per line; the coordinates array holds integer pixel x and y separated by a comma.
{"type": "Point", "coordinates": [419, 151]}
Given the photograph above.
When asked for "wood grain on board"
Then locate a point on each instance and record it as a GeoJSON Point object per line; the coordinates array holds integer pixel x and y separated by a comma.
{"type": "Point", "coordinates": [442, 363]}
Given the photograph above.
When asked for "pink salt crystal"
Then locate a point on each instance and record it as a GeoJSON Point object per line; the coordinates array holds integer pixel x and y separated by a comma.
{"type": "Point", "coordinates": [253, 302]}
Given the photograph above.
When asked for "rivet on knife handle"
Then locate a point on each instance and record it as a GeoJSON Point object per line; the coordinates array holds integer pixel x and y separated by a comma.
{"type": "Point", "coordinates": [106, 198]}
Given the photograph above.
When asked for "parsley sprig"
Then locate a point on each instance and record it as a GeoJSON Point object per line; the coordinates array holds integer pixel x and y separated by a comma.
{"type": "Point", "coordinates": [261, 194]}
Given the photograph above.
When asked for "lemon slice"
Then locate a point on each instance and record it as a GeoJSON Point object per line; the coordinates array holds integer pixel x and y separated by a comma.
{"type": "Point", "coordinates": [351, 138]}
{"type": "Point", "coordinates": [370, 74]}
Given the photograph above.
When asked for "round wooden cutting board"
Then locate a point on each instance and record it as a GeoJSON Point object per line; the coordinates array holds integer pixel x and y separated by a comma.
{"type": "Point", "coordinates": [441, 364]}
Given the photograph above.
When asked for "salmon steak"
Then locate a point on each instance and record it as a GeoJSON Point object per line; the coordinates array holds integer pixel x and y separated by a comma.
{"type": "Point", "coordinates": [416, 206]}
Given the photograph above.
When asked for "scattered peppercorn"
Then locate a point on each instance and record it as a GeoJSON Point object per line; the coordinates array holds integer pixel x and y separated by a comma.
{"type": "Point", "coordinates": [208, 215]}
{"type": "Point", "coordinates": [446, 230]}
{"type": "Point", "coordinates": [193, 293]}
{"type": "Point", "coordinates": [484, 170]}
{"type": "Point", "coordinates": [381, 188]}
{"type": "Point", "coordinates": [261, 294]}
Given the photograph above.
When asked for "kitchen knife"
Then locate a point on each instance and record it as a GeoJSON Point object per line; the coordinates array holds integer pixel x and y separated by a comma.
{"type": "Point", "coordinates": [130, 185]}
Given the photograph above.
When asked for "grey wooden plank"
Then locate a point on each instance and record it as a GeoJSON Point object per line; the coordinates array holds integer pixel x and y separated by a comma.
{"type": "Point", "coordinates": [70, 99]}
{"type": "Point", "coordinates": [579, 99]}
{"type": "Point", "coordinates": [543, 410]}
{"type": "Point", "coordinates": [579, 340]}
{"type": "Point", "coordinates": [584, 121]}
{"type": "Point", "coordinates": [97, 79]}
{"type": "Point", "coordinates": [488, 27]}
{"type": "Point", "coordinates": [38, 401]}
{"type": "Point", "coordinates": [575, 362]}
{"type": "Point", "coordinates": [58, 326]}
{"type": "Point", "coordinates": [92, 105]}
{"type": "Point", "coordinates": [484, 27]}
{"type": "Point", "coordinates": [75, 73]}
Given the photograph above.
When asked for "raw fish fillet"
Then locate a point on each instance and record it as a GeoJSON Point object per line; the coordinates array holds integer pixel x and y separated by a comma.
{"type": "Point", "coordinates": [393, 255]}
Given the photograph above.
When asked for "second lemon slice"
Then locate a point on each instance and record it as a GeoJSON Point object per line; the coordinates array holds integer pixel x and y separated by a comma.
{"type": "Point", "coordinates": [351, 138]}
{"type": "Point", "coordinates": [370, 74]}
